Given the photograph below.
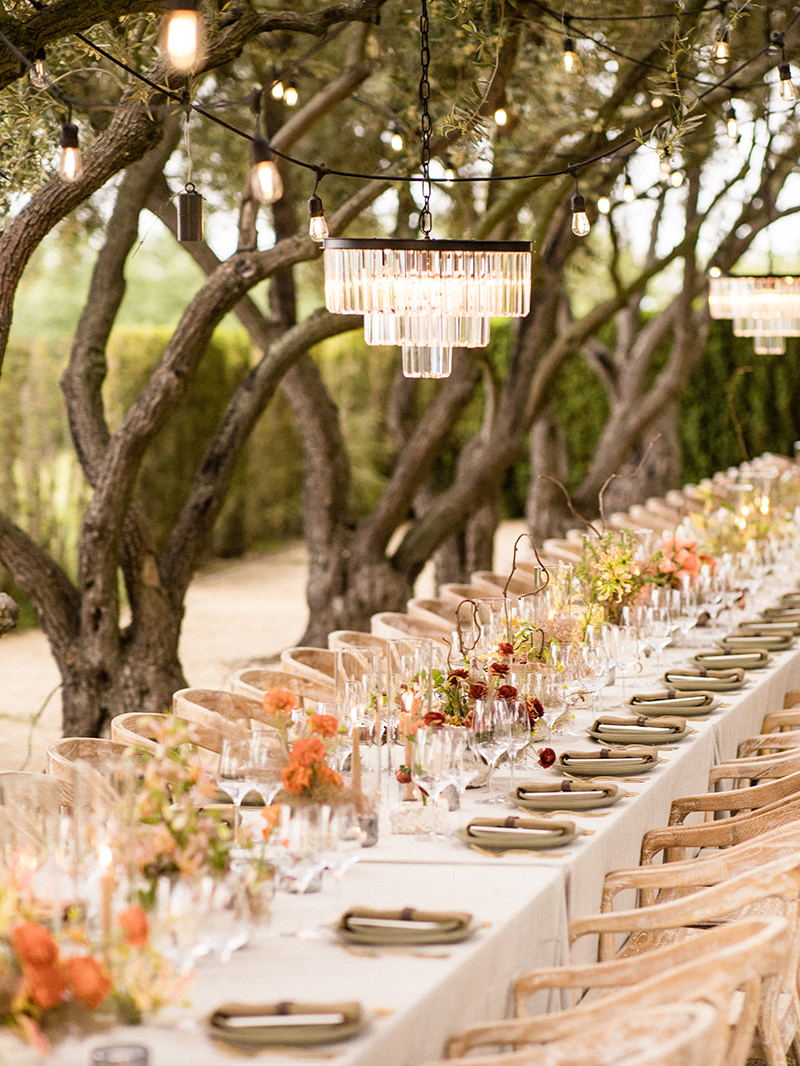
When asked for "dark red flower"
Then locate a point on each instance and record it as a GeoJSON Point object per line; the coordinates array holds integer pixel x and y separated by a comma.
{"type": "Point", "coordinates": [403, 774]}
{"type": "Point", "coordinates": [535, 711]}
{"type": "Point", "coordinates": [477, 690]}
{"type": "Point", "coordinates": [434, 718]}
{"type": "Point", "coordinates": [546, 757]}
{"type": "Point", "coordinates": [507, 692]}
{"type": "Point", "coordinates": [505, 648]}
{"type": "Point", "coordinates": [455, 676]}
{"type": "Point", "coordinates": [498, 669]}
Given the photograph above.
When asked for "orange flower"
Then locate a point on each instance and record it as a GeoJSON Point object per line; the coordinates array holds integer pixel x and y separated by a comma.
{"type": "Point", "coordinates": [324, 724]}
{"type": "Point", "coordinates": [88, 980]}
{"type": "Point", "coordinates": [35, 946]}
{"type": "Point", "coordinates": [276, 700]}
{"type": "Point", "coordinates": [307, 751]}
{"type": "Point", "coordinates": [46, 985]}
{"type": "Point", "coordinates": [329, 776]}
{"type": "Point", "coordinates": [295, 777]}
{"type": "Point", "coordinates": [271, 816]}
{"type": "Point", "coordinates": [134, 925]}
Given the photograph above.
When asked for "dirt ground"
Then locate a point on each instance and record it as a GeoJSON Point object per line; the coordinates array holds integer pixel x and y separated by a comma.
{"type": "Point", "coordinates": [237, 614]}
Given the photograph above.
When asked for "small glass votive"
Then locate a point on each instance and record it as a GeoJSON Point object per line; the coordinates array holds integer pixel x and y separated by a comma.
{"type": "Point", "coordinates": [120, 1055]}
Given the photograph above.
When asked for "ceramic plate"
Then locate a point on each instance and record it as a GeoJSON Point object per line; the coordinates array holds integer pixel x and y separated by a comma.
{"type": "Point", "coordinates": [690, 683]}
{"type": "Point", "coordinates": [500, 837]}
{"type": "Point", "coordinates": [773, 642]}
{"type": "Point", "coordinates": [752, 660]}
{"type": "Point", "coordinates": [611, 767]}
{"type": "Point", "coordinates": [635, 734]}
{"type": "Point", "coordinates": [398, 932]}
{"type": "Point", "coordinates": [578, 798]}
{"type": "Point", "coordinates": [685, 705]}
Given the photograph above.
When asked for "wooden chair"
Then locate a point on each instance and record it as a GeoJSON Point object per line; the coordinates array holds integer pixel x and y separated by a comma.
{"type": "Point", "coordinates": [136, 729]}
{"type": "Point", "coordinates": [316, 664]}
{"type": "Point", "coordinates": [254, 681]}
{"type": "Point", "coordinates": [749, 769]}
{"type": "Point", "coordinates": [229, 714]}
{"type": "Point", "coordinates": [778, 881]}
{"type": "Point", "coordinates": [764, 743]}
{"type": "Point", "coordinates": [83, 767]}
{"type": "Point", "coordinates": [354, 638]}
{"type": "Point", "coordinates": [453, 592]}
{"type": "Point", "coordinates": [673, 842]}
{"type": "Point", "coordinates": [394, 625]}
{"type": "Point", "coordinates": [436, 610]}
{"type": "Point", "coordinates": [31, 806]}
{"type": "Point", "coordinates": [735, 799]}
{"type": "Point", "coordinates": [715, 965]}
{"type": "Point", "coordinates": [679, 1034]}
{"type": "Point", "coordinates": [519, 583]}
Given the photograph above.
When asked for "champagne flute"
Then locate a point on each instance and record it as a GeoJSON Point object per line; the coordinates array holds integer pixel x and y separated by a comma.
{"type": "Point", "coordinates": [488, 736]}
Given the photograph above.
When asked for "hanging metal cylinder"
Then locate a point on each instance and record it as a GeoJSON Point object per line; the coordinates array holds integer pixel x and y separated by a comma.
{"type": "Point", "coordinates": [190, 215]}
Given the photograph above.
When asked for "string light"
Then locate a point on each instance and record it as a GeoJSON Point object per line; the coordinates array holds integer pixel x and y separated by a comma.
{"type": "Point", "coordinates": [656, 102]}
{"type": "Point", "coordinates": [730, 120]}
{"type": "Point", "coordinates": [580, 220]}
{"type": "Point", "coordinates": [70, 162]}
{"type": "Point", "coordinates": [265, 179]}
{"type": "Point", "coordinates": [787, 91]}
{"type": "Point", "coordinates": [38, 73]}
{"type": "Point", "coordinates": [628, 194]}
{"type": "Point", "coordinates": [449, 173]}
{"type": "Point", "coordinates": [183, 34]}
{"type": "Point", "coordinates": [276, 92]}
{"type": "Point", "coordinates": [603, 205]}
{"type": "Point", "coordinates": [501, 117]}
{"type": "Point", "coordinates": [396, 139]}
{"type": "Point", "coordinates": [664, 163]}
{"type": "Point", "coordinates": [290, 96]}
{"type": "Point", "coordinates": [676, 179]}
{"type": "Point", "coordinates": [571, 60]}
{"type": "Point", "coordinates": [317, 225]}
{"type": "Point", "coordinates": [722, 52]}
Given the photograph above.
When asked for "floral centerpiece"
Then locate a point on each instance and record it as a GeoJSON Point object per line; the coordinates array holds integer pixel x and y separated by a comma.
{"type": "Point", "coordinates": [614, 572]}
{"type": "Point", "coordinates": [51, 983]}
{"type": "Point", "coordinates": [679, 559]}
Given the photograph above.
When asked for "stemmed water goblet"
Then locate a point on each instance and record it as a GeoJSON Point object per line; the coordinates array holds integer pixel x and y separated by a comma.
{"type": "Point", "coordinates": [488, 737]}
{"type": "Point", "coordinates": [430, 770]}
{"type": "Point", "coordinates": [263, 770]}
{"type": "Point", "coordinates": [519, 733]}
{"type": "Point", "coordinates": [624, 652]}
{"type": "Point", "coordinates": [662, 628]}
{"type": "Point", "coordinates": [234, 777]}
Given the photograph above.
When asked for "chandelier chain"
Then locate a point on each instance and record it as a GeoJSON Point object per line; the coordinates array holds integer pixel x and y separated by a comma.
{"type": "Point", "coordinates": [425, 220]}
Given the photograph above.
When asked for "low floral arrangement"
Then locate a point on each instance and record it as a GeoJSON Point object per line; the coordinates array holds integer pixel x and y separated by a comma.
{"type": "Point", "coordinates": [614, 574]}
{"type": "Point", "coordinates": [679, 559]}
{"type": "Point", "coordinates": [54, 983]}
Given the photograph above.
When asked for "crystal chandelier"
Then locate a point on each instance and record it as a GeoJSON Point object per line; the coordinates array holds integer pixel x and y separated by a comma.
{"type": "Point", "coordinates": [427, 296]}
{"type": "Point", "coordinates": [764, 308]}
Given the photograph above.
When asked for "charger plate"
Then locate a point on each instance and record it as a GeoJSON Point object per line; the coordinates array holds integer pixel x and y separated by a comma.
{"type": "Point", "coordinates": [756, 659]}
{"type": "Point", "coordinates": [518, 834]}
{"type": "Point", "coordinates": [402, 927]}
{"type": "Point", "coordinates": [617, 762]}
{"type": "Point", "coordinates": [765, 641]}
{"type": "Point", "coordinates": [610, 729]}
{"type": "Point", "coordinates": [251, 1026]}
{"type": "Point", "coordinates": [768, 626]}
{"type": "Point", "coordinates": [703, 680]}
{"type": "Point", "coordinates": [673, 702]}
{"type": "Point", "coordinates": [565, 795]}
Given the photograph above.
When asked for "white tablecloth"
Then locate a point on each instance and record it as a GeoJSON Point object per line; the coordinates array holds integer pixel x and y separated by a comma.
{"type": "Point", "coordinates": [522, 902]}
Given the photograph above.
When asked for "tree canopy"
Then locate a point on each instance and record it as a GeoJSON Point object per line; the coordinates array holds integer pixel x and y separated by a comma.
{"type": "Point", "coordinates": [648, 106]}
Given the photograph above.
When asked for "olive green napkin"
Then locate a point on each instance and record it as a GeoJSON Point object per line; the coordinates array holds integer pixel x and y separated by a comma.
{"type": "Point", "coordinates": [365, 925]}
{"type": "Point", "coordinates": [755, 641]}
{"type": "Point", "coordinates": [252, 1025]}
{"type": "Point", "coordinates": [671, 700]}
{"type": "Point", "coordinates": [782, 614]}
{"type": "Point", "coordinates": [754, 659]}
{"type": "Point", "coordinates": [617, 761]}
{"type": "Point", "coordinates": [663, 723]}
{"type": "Point", "coordinates": [706, 680]}
{"type": "Point", "coordinates": [765, 627]}
{"type": "Point", "coordinates": [513, 833]}
{"type": "Point", "coordinates": [574, 795]}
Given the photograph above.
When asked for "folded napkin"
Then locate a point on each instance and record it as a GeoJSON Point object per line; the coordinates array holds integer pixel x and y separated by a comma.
{"type": "Point", "coordinates": [753, 659]}
{"type": "Point", "coordinates": [575, 795]}
{"type": "Point", "coordinates": [673, 699]}
{"type": "Point", "coordinates": [781, 614]}
{"type": "Point", "coordinates": [768, 642]}
{"type": "Point", "coordinates": [705, 679]}
{"type": "Point", "coordinates": [617, 761]}
{"type": "Point", "coordinates": [505, 834]}
{"type": "Point", "coordinates": [250, 1025]}
{"type": "Point", "coordinates": [364, 925]}
{"type": "Point", "coordinates": [791, 599]}
{"type": "Point", "coordinates": [660, 724]}
{"type": "Point", "coordinates": [768, 627]}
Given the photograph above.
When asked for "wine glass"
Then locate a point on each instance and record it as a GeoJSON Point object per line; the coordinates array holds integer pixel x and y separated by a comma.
{"type": "Point", "coordinates": [263, 770]}
{"type": "Point", "coordinates": [624, 651]}
{"type": "Point", "coordinates": [465, 765]}
{"type": "Point", "coordinates": [344, 841]}
{"type": "Point", "coordinates": [432, 753]}
{"type": "Point", "coordinates": [488, 736]}
{"type": "Point", "coordinates": [519, 733]}
{"type": "Point", "coordinates": [297, 845]}
{"type": "Point", "coordinates": [233, 777]}
{"type": "Point", "coordinates": [661, 629]}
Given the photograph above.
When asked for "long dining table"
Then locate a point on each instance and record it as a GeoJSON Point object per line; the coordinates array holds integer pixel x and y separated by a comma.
{"type": "Point", "coordinates": [414, 998]}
